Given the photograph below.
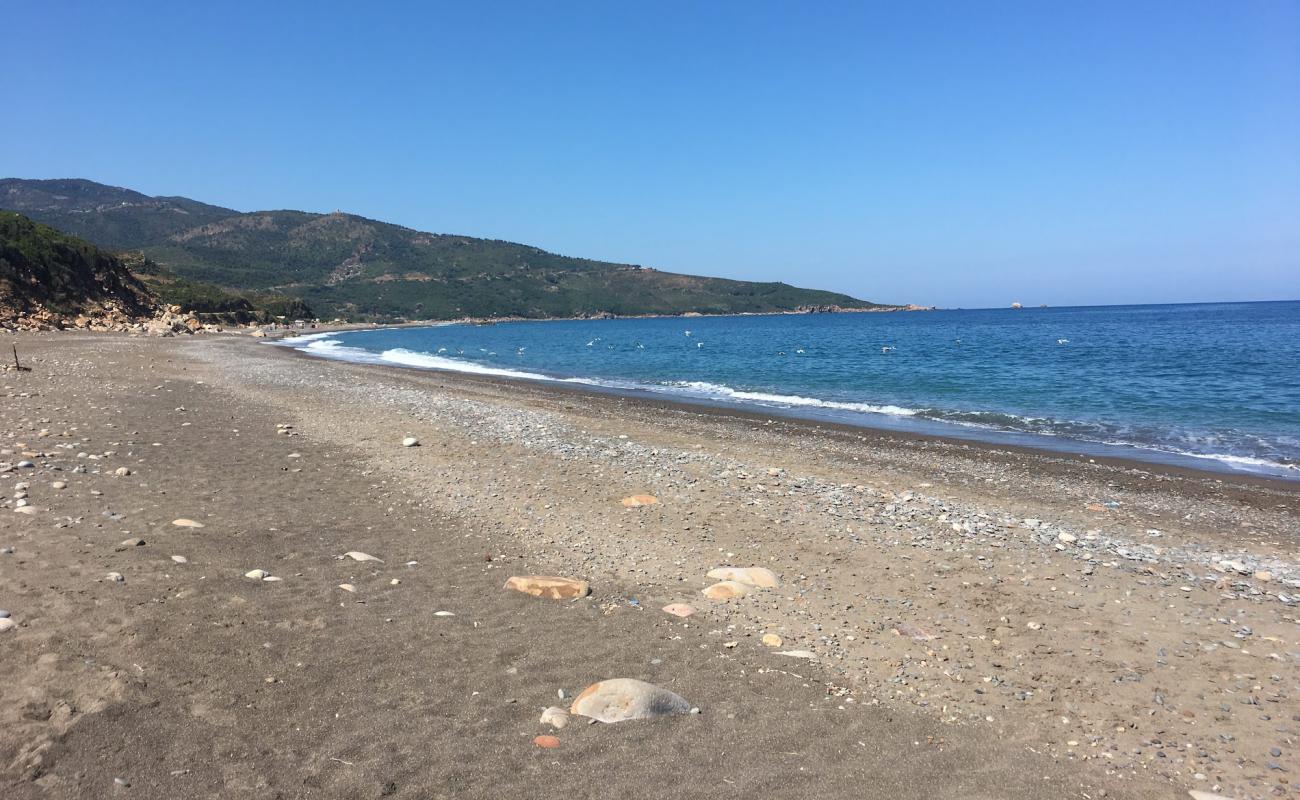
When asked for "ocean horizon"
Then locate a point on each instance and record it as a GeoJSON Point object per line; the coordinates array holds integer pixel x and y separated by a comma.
{"type": "Point", "coordinates": [1212, 386]}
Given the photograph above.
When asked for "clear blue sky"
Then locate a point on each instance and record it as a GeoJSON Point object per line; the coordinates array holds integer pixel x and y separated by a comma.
{"type": "Point", "coordinates": [960, 154]}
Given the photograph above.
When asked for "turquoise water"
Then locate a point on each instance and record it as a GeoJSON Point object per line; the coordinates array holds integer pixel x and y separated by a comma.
{"type": "Point", "coordinates": [1215, 386]}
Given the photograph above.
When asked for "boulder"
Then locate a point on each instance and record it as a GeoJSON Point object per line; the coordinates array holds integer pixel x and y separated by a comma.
{"type": "Point", "coordinates": [621, 699]}
{"type": "Point", "coordinates": [752, 576]}
{"type": "Point", "coordinates": [549, 586]}
{"type": "Point", "coordinates": [726, 590]}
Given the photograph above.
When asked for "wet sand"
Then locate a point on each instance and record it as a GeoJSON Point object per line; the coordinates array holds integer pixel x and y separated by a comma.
{"type": "Point", "coordinates": [983, 621]}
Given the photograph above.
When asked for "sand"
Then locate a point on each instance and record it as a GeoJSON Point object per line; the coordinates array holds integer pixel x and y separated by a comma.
{"type": "Point", "coordinates": [982, 622]}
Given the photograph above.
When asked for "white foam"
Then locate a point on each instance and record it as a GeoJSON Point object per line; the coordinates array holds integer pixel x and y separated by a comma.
{"type": "Point", "coordinates": [718, 391]}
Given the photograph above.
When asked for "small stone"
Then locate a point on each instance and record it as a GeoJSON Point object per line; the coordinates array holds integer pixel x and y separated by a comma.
{"type": "Point", "coordinates": [797, 653]}
{"type": "Point", "coordinates": [347, 587]}
{"type": "Point", "coordinates": [7, 624]}
{"type": "Point", "coordinates": [1263, 576]}
{"type": "Point", "coordinates": [186, 523]}
{"type": "Point", "coordinates": [28, 510]}
{"type": "Point", "coordinates": [1068, 538]}
{"type": "Point", "coordinates": [115, 577]}
{"type": "Point", "coordinates": [395, 582]}
{"type": "Point", "coordinates": [549, 586]}
{"type": "Point", "coordinates": [772, 640]}
{"type": "Point", "coordinates": [180, 559]}
{"type": "Point", "coordinates": [621, 699]}
{"type": "Point", "coordinates": [548, 742]}
{"type": "Point", "coordinates": [256, 574]}
{"type": "Point", "coordinates": [639, 500]}
{"type": "Point", "coordinates": [556, 717]}
{"type": "Point", "coordinates": [127, 544]}
{"type": "Point", "coordinates": [410, 441]}
{"type": "Point", "coordinates": [357, 555]}
{"type": "Point", "coordinates": [1034, 626]}
{"type": "Point", "coordinates": [444, 613]}
{"type": "Point", "coordinates": [59, 485]}
{"type": "Point", "coordinates": [4, 614]}
{"type": "Point", "coordinates": [680, 609]}
{"type": "Point", "coordinates": [122, 472]}
{"type": "Point", "coordinates": [726, 590]}
{"type": "Point", "coordinates": [752, 576]}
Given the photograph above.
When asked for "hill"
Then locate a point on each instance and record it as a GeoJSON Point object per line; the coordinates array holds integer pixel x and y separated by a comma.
{"type": "Point", "coordinates": [346, 265]}
{"type": "Point", "coordinates": [48, 278]}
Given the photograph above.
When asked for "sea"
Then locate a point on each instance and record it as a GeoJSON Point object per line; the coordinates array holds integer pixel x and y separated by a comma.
{"type": "Point", "coordinates": [1214, 386]}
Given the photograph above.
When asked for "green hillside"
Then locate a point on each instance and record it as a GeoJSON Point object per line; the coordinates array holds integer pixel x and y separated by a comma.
{"type": "Point", "coordinates": [42, 269]}
{"type": "Point", "coordinates": [345, 265]}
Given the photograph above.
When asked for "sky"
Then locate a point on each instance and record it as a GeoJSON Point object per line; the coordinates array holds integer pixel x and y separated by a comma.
{"type": "Point", "coordinates": [950, 154]}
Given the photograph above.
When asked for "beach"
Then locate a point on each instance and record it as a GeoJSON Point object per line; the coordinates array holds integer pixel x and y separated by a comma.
{"type": "Point", "coordinates": [954, 619]}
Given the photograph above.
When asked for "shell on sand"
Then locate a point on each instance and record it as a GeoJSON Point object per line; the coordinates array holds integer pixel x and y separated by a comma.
{"type": "Point", "coordinates": [357, 555]}
{"type": "Point", "coordinates": [754, 576]}
{"type": "Point", "coordinates": [186, 523]}
{"type": "Point", "coordinates": [638, 500]}
{"type": "Point", "coordinates": [621, 699]}
{"type": "Point", "coordinates": [726, 590]}
{"type": "Point", "coordinates": [680, 609]}
{"type": "Point", "coordinates": [549, 586]}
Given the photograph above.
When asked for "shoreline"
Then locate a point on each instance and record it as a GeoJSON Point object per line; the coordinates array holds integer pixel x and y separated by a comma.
{"type": "Point", "coordinates": [1163, 462]}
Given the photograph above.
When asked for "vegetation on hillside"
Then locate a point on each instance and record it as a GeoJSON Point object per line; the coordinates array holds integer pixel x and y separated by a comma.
{"type": "Point", "coordinates": [42, 268]}
{"type": "Point", "coordinates": [345, 265]}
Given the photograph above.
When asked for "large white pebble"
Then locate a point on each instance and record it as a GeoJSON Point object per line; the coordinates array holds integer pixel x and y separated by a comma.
{"type": "Point", "coordinates": [256, 574]}
{"type": "Point", "coordinates": [620, 699]}
{"type": "Point", "coordinates": [357, 555]}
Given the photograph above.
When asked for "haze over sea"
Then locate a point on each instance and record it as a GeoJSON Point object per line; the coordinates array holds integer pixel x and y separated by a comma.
{"type": "Point", "coordinates": [1214, 386]}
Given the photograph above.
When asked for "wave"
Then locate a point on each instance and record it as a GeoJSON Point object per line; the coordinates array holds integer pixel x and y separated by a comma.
{"type": "Point", "coordinates": [1169, 443]}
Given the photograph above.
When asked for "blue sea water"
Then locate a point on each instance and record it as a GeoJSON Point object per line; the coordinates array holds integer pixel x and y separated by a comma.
{"type": "Point", "coordinates": [1215, 386]}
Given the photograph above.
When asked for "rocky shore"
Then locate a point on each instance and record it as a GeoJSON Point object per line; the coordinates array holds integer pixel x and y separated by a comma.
{"type": "Point", "coordinates": [845, 613]}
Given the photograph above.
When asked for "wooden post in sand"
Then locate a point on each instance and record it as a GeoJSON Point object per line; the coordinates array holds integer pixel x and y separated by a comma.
{"type": "Point", "coordinates": [17, 367]}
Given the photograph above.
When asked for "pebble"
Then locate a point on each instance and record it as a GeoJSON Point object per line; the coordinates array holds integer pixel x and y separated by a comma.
{"type": "Point", "coordinates": [122, 472]}
{"type": "Point", "coordinates": [357, 555]}
{"type": "Point", "coordinates": [180, 559]}
{"type": "Point", "coordinates": [772, 640]}
{"type": "Point", "coordinates": [556, 717]}
{"type": "Point", "coordinates": [115, 577]}
{"type": "Point", "coordinates": [680, 609]}
{"type": "Point", "coordinates": [7, 624]}
{"type": "Point", "coordinates": [347, 587]}
{"type": "Point", "coordinates": [410, 441]}
{"type": "Point", "coordinates": [186, 523]}
{"type": "Point", "coordinates": [639, 500]}
{"type": "Point", "coordinates": [752, 576]}
{"type": "Point", "coordinates": [444, 613]}
{"type": "Point", "coordinates": [59, 485]}
{"type": "Point", "coordinates": [256, 574]}
{"type": "Point", "coordinates": [797, 653]}
{"type": "Point", "coordinates": [549, 587]}
{"type": "Point", "coordinates": [4, 614]}
{"type": "Point", "coordinates": [548, 742]}
{"type": "Point", "coordinates": [622, 699]}
{"type": "Point", "coordinates": [127, 544]}
{"type": "Point", "coordinates": [726, 590]}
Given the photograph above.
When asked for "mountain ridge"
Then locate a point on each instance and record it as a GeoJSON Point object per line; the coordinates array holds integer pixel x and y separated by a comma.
{"type": "Point", "coordinates": [349, 265]}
